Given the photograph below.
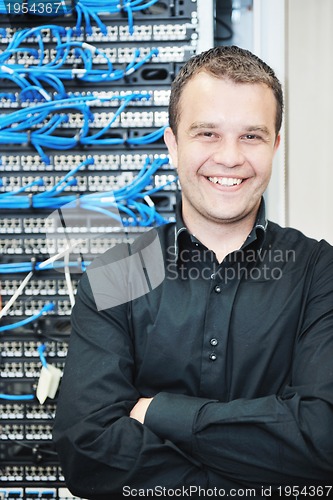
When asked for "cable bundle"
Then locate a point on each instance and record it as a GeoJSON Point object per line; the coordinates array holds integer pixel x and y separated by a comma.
{"type": "Point", "coordinates": [33, 78]}
{"type": "Point", "coordinates": [84, 9]}
{"type": "Point", "coordinates": [133, 200]}
{"type": "Point", "coordinates": [40, 126]}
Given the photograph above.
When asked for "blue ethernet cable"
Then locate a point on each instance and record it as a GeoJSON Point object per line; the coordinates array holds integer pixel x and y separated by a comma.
{"type": "Point", "coordinates": [34, 92]}
{"type": "Point", "coordinates": [36, 182]}
{"type": "Point", "coordinates": [26, 267]}
{"type": "Point", "coordinates": [45, 309]}
{"type": "Point", "coordinates": [71, 173]}
{"type": "Point", "coordinates": [93, 8]}
{"type": "Point", "coordinates": [17, 397]}
{"type": "Point", "coordinates": [41, 350]}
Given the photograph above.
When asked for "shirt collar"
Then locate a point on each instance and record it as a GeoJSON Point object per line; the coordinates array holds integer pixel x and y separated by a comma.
{"type": "Point", "coordinates": [258, 231]}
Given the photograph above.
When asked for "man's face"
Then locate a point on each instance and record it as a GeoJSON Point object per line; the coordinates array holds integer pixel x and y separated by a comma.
{"type": "Point", "coordinates": [224, 148]}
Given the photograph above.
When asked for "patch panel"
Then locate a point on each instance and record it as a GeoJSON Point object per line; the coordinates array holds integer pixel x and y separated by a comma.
{"type": "Point", "coordinates": [12, 473]}
{"type": "Point", "coordinates": [42, 473]}
{"type": "Point", "coordinates": [54, 243]}
{"type": "Point", "coordinates": [24, 369]}
{"type": "Point", "coordinates": [37, 493]}
{"type": "Point", "coordinates": [39, 432]}
{"type": "Point", "coordinates": [27, 348]}
{"type": "Point", "coordinates": [11, 411]}
{"type": "Point", "coordinates": [121, 55]}
{"type": "Point", "coordinates": [11, 246]}
{"type": "Point", "coordinates": [22, 162]}
{"type": "Point", "coordinates": [32, 370]}
{"type": "Point", "coordinates": [100, 245]}
{"type": "Point", "coordinates": [48, 287]}
{"type": "Point", "coordinates": [35, 224]}
{"type": "Point", "coordinates": [29, 432]}
{"type": "Point", "coordinates": [11, 349]}
{"type": "Point", "coordinates": [171, 32]}
{"type": "Point", "coordinates": [9, 286]}
{"type": "Point", "coordinates": [10, 225]}
{"type": "Point", "coordinates": [155, 32]}
{"type": "Point", "coordinates": [27, 412]}
{"type": "Point", "coordinates": [35, 246]}
{"type": "Point", "coordinates": [30, 348]}
{"type": "Point", "coordinates": [95, 182]}
{"type": "Point", "coordinates": [12, 369]}
{"type": "Point", "coordinates": [29, 307]}
{"type": "Point", "coordinates": [128, 119]}
{"type": "Point", "coordinates": [166, 53]}
{"type": "Point", "coordinates": [161, 180]}
{"type": "Point", "coordinates": [39, 412]}
{"type": "Point", "coordinates": [174, 53]}
{"type": "Point", "coordinates": [12, 182]}
{"type": "Point", "coordinates": [65, 162]}
{"type": "Point", "coordinates": [11, 431]}
{"type": "Point", "coordinates": [108, 182]}
{"type": "Point", "coordinates": [18, 310]}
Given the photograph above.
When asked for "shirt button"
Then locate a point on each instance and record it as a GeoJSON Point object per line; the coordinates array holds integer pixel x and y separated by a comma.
{"type": "Point", "coordinates": [214, 342]}
{"type": "Point", "coordinates": [217, 289]}
{"type": "Point", "coordinates": [213, 356]}
{"type": "Point", "coordinates": [212, 276]}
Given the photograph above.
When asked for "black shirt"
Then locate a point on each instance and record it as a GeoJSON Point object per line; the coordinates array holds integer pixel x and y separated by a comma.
{"type": "Point", "coordinates": [238, 357]}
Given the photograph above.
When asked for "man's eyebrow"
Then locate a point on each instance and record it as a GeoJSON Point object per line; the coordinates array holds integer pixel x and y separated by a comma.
{"type": "Point", "coordinates": [201, 125]}
{"type": "Point", "coordinates": [212, 126]}
{"type": "Point", "coordinates": [258, 128]}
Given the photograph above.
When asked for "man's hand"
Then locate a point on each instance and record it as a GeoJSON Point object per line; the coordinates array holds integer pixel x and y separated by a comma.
{"type": "Point", "coordinates": [140, 409]}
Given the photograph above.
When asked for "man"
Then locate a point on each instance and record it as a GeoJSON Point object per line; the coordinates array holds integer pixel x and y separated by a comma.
{"type": "Point", "coordinates": [221, 375]}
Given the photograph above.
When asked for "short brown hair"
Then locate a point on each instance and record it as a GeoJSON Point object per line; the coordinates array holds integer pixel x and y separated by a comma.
{"type": "Point", "coordinates": [229, 62]}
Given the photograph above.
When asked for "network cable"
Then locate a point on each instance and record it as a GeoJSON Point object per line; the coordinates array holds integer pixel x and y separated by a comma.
{"type": "Point", "coordinates": [20, 74]}
{"type": "Point", "coordinates": [41, 352]}
{"type": "Point", "coordinates": [12, 326]}
{"type": "Point", "coordinates": [17, 397]}
{"type": "Point", "coordinates": [15, 128]}
{"type": "Point", "coordinates": [130, 199]}
{"type": "Point", "coordinates": [84, 9]}
{"type": "Point", "coordinates": [27, 267]}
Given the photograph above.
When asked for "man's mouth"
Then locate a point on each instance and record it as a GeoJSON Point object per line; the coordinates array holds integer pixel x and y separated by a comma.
{"type": "Point", "coordinates": [225, 181]}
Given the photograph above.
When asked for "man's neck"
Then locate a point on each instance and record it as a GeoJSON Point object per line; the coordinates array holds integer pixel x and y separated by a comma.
{"type": "Point", "coordinates": [220, 237]}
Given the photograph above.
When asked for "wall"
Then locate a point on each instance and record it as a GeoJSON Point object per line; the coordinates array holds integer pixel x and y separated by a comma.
{"type": "Point", "coordinates": [309, 118]}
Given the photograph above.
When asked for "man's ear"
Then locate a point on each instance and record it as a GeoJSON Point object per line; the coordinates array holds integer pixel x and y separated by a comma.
{"type": "Point", "coordinates": [277, 143]}
{"type": "Point", "coordinates": [171, 142]}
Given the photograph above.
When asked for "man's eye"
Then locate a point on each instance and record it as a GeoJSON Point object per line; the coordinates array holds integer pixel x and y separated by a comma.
{"type": "Point", "coordinates": [252, 137]}
{"type": "Point", "coordinates": [207, 134]}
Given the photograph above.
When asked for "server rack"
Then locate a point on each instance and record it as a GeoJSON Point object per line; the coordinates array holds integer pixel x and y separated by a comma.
{"type": "Point", "coordinates": [83, 103]}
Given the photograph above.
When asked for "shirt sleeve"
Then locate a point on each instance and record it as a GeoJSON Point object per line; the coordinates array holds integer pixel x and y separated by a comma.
{"type": "Point", "coordinates": [101, 449]}
{"type": "Point", "coordinates": [280, 439]}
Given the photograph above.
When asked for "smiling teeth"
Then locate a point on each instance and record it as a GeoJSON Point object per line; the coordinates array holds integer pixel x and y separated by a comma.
{"type": "Point", "coordinates": [225, 181]}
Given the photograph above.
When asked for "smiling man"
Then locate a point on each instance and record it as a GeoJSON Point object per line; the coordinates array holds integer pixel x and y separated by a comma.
{"type": "Point", "coordinates": [218, 380]}
{"type": "Point", "coordinates": [223, 150]}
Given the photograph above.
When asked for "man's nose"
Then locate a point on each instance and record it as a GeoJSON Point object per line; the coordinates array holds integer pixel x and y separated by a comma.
{"type": "Point", "coordinates": [228, 153]}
